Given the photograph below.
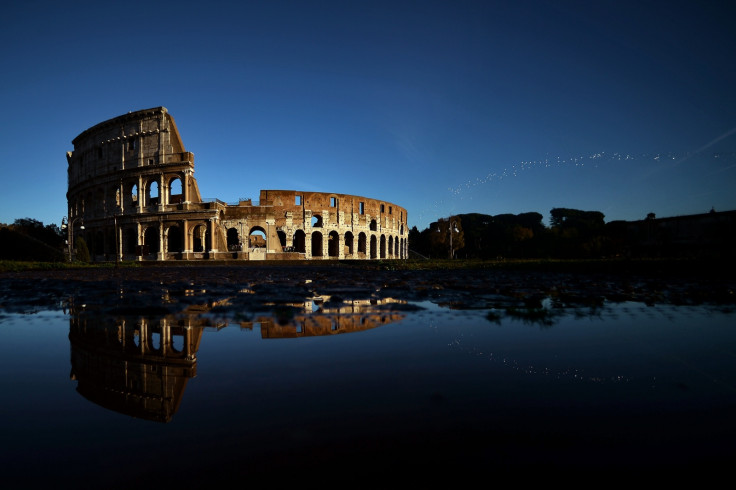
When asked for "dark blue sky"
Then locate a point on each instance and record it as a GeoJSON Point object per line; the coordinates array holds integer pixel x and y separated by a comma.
{"type": "Point", "coordinates": [441, 107]}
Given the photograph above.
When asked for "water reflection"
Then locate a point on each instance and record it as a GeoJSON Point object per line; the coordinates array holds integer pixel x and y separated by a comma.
{"type": "Point", "coordinates": [261, 379]}
{"type": "Point", "coordinates": [139, 365]}
{"type": "Point", "coordinates": [320, 317]}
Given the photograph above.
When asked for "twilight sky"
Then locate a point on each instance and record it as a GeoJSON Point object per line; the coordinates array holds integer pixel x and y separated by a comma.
{"type": "Point", "coordinates": [623, 107]}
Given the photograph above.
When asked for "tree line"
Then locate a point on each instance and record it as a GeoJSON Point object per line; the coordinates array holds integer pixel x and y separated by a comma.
{"type": "Point", "coordinates": [572, 233]}
{"type": "Point", "coordinates": [29, 239]}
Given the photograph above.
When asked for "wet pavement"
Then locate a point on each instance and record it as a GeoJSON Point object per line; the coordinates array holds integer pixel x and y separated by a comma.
{"type": "Point", "coordinates": [162, 289]}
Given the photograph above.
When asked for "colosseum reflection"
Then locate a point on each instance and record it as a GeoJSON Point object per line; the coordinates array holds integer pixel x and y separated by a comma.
{"type": "Point", "coordinates": [132, 195]}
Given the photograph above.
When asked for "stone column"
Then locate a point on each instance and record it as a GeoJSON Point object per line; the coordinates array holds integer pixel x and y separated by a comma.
{"type": "Point", "coordinates": [185, 187]}
{"type": "Point", "coordinates": [186, 240]}
{"type": "Point", "coordinates": [161, 243]}
{"type": "Point", "coordinates": [143, 336]}
{"type": "Point", "coordinates": [138, 239]}
{"type": "Point", "coordinates": [140, 193]}
{"type": "Point", "coordinates": [162, 194]}
{"type": "Point", "coordinates": [213, 241]}
{"type": "Point", "coordinates": [165, 336]}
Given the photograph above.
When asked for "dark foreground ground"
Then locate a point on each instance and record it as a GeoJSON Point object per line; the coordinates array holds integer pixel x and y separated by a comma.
{"type": "Point", "coordinates": [457, 284]}
{"type": "Point", "coordinates": [475, 425]}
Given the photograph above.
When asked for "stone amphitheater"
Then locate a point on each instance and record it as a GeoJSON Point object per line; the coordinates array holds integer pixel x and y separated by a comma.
{"type": "Point", "coordinates": [132, 195]}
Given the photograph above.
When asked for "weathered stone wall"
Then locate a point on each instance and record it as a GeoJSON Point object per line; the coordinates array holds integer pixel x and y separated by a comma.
{"type": "Point", "coordinates": [131, 186]}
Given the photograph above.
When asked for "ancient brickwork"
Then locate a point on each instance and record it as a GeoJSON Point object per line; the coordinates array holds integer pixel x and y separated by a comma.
{"type": "Point", "coordinates": [132, 189]}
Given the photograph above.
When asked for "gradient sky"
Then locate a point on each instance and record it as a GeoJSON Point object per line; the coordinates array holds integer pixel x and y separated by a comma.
{"type": "Point", "coordinates": [440, 107]}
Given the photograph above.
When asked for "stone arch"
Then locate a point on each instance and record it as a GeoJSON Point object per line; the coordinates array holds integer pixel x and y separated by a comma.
{"type": "Point", "coordinates": [130, 241]}
{"type": "Point", "coordinates": [374, 251]}
{"type": "Point", "coordinates": [362, 249]}
{"type": "Point", "coordinates": [151, 239]}
{"type": "Point", "coordinates": [175, 190]}
{"type": "Point", "coordinates": [383, 246]}
{"type": "Point", "coordinates": [349, 239]}
{"type": "Point", "coordinates": [131, 195]}
{"type": "Point", "coordinates": [390, 245]}
{"type": "Point", "coordinates": [333, 244]}
{"type": "Point", "coordinates": [316, 221]}
{"type": "Point", "coordinates": [153, 194]}
{"type": "Point", "coordinates": [282, 238]}
{"type": "Point", "coordinates": [200, 238]}
{"type": "Point", "coordinates": [373, 225]}
{"type": "Point", "coordinates": [257, 237]}
{"type": "Point", "coordinates": [174, 239]}
{"type": "Point", "coordinates": [317, 244]}
{"type": "Point", "coordinates": [300, 240]}
{"type": "Point", "coordinates": [233, 240]}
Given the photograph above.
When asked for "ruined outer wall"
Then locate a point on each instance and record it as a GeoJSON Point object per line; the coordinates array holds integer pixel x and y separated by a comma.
{"type": "Point", "coordinates": [318, 225]}
{"type": "Point", "coordinates": [131, 186]}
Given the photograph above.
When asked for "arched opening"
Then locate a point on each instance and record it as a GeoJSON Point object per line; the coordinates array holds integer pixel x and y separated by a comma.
{"type": "Point", "coordinates": [390, 246]}
{"type": "Point", "coordinates": [373, 226]}
{"type": "Point", "coordinates": [130, 241]}
{"type": "Point", "coordinates": [348, 243]}
{"type": "Point", "coordinates": [174, 239]}
{"type": "Point", "coordinates": [151, 240]}
{"type": "Point", "coordinates": [199, 238]}
{"type": "Point", "coordinates": [373, 247]}
{"type": "Point", "coordinates": [316, 221]}
{"type": "Point", "coordinates": [300, 239]}
{"type": "Point", "coordinates": [153, 194]}
{"type": "Point", "coordinates": [317, 244]}
{"type": "Point", "coordinates": [257, 237]}
{"type": "Point", "coordinates": [383, 246]}
{"type": "Point", "coordinates": [175, 191]}
{"type": "Point", "coordinates": [333, 244]}
{"type": "Point", "coordinates": [132, 199]}
{"type": "Point", "coordinates": [177, 343]}
{"type": "Point", "coordinates": [233, 240]}
{"type": "Point", "coordinates": [155, 341]}
{"type": "Point", "coordinates": [362, 243]}
{"type": "Point", "coordinates": [282, 239]}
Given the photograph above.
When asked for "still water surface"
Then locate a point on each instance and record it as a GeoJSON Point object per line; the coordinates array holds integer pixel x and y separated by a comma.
{"type": "Point", "coordinates": [364, 390]}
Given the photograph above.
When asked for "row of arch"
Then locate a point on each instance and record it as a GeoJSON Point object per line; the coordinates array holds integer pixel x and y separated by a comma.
{"type": "Point", "coordinates": [150, 239]}
{"type": "Point", "coordinates": [385, 246]}
{"type": "Point", "coordinates": [155, 238]}
{"type": "Point", "coordinates": [106, 201]}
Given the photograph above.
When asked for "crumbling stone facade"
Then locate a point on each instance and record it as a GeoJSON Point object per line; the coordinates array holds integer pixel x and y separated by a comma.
{"type": "Point", "coordinates": [132, 188]}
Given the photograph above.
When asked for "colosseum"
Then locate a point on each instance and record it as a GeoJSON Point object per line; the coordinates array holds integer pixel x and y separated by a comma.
{"type": "Point", "coordinates": [132, 195]}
